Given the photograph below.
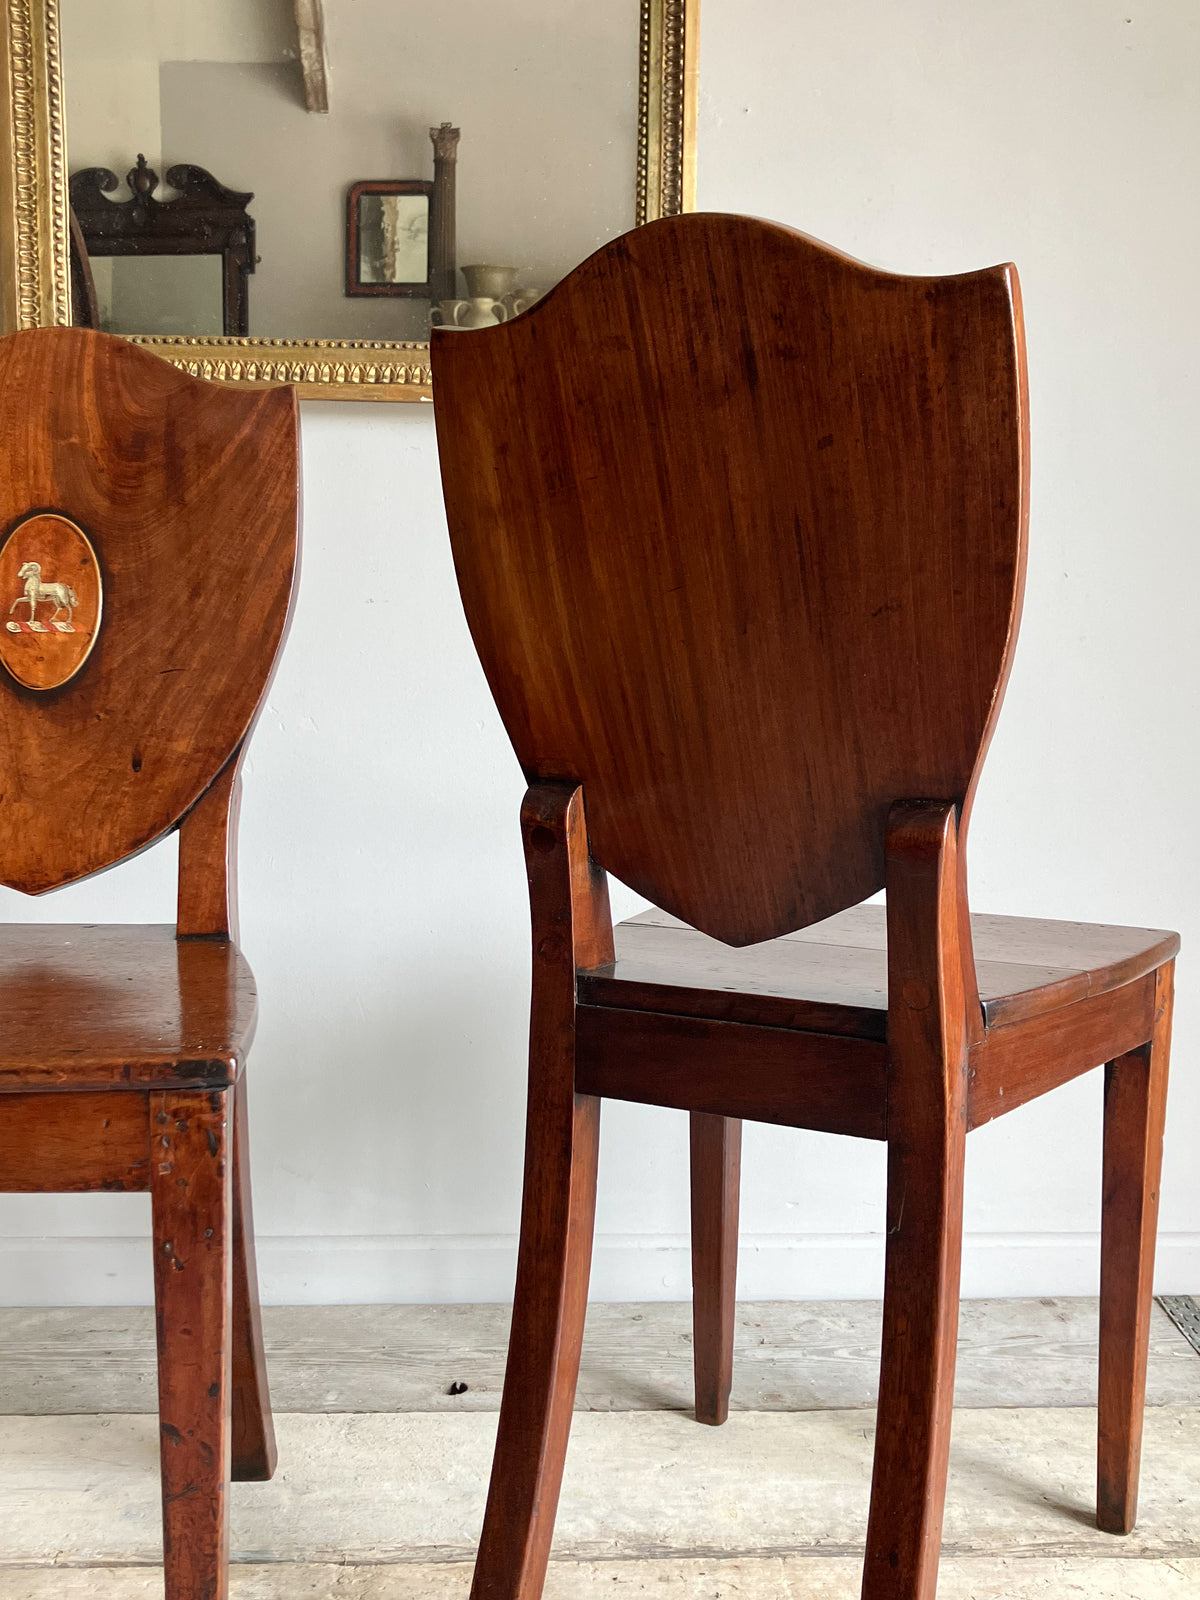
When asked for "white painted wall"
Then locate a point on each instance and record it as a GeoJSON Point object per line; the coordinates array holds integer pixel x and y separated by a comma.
{"type": "Point", "coordinates": [382, 884]}
{"type": "Point", "coordinates": [112, 51]}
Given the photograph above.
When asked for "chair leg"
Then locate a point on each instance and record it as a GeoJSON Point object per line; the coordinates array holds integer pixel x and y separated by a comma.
{"type": "Point", "coordinates": [916, 1380]}
{"type": "Point", "coordinates": [557, 1218]}
{"type": "Point", "coordinates": [716, 1148]}
{"type": "Point", "coordinates": [1135, 1096]}
{"type": "Point", "coordinates": [190, 1190]}
{"type": "Point", "coordinates": [254, 1452]}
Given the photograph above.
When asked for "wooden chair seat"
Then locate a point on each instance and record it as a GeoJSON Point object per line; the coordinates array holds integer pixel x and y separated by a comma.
{"type": "Point", "coordinates": [832, 977]}
{"type": "Point", "coordinates": [89, 1006]}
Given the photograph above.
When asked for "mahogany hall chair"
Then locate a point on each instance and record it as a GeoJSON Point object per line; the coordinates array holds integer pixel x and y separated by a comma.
{"type": "Point", "coordinates": [150, 525]}
{"type": "Point", "coordinates": [739, 526]}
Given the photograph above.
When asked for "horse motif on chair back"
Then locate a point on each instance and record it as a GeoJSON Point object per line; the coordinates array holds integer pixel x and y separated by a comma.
{"type": "Point", "coordinates": [60, 595]}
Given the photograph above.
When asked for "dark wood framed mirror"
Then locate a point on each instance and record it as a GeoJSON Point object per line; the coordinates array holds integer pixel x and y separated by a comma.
{"type": "Point", "coordinates": [388, 237]}
{"type": "Point", "coordinates": [205, 229]}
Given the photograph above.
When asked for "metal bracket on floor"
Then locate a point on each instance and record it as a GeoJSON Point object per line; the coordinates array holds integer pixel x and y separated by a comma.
{"type": "Point", "coordinates": [1184, 1312]}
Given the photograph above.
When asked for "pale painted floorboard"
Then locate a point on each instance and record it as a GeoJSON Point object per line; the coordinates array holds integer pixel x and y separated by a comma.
{"type": "Point", "coordinates": [374, 1488]}
{"type": "Point", "coordinates": [790, 1357]}
{"type": "Point", "coordinates": [794, 1578]}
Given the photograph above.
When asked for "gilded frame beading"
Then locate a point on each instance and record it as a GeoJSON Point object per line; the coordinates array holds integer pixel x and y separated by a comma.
{"type": "Point", "coordinates": [34, 245]}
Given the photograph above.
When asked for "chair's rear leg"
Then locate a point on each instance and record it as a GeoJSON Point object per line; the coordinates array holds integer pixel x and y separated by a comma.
{"type": "Point", "coordinates": [557, 1219]}
{"type": "Point", "coordinates": [916, 1381]}
{"type": "Point", "coordinates": [191, 1198]}
{"type": "Point", "coordinates": [1135, 1097]}
{"type": "Point", "coordinates": [716, 1149]}
{"type": "Point", "coordinates": [254, 1452]}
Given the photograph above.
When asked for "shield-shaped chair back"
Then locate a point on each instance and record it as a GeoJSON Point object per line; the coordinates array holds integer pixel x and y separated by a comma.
{"type": "Point", "coordinates": [149, 540]}
{"type": "Point", "coordinates": [739, 529]}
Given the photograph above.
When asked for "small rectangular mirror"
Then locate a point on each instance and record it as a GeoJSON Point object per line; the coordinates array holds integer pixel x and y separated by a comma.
{"type": "Point", "coordinates": [387, 237]}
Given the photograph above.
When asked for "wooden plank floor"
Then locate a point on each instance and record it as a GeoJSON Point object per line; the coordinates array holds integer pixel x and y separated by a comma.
{"type": "Point", "coordinates": [384, 1503]}
{"type": "Point", "coordinates": [791, 1356]}
{"type": "Point", "coordinates": [387, 1490]}
{"type": "Point", "coordinates": [409, 1486]}
{"type": "Point", "coordinates": [768, 1578]}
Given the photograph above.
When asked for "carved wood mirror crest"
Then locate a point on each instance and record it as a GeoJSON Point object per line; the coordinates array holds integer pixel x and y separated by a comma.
{"type": "Point", "coordinates": [35, 230]}
{"type": "Point", "coordinates": [204, 219]}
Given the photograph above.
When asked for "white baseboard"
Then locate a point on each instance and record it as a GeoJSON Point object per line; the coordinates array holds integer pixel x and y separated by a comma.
{"type": "Point", "coordinates": [450, 1268]}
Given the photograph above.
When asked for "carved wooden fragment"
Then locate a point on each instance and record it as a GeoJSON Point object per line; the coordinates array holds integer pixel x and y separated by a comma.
{"type": "Point", "coordinates": [314, 60]}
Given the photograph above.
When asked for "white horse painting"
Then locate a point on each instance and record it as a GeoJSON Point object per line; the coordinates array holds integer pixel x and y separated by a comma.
{"type": "Point", "coordinates": [60, 595]}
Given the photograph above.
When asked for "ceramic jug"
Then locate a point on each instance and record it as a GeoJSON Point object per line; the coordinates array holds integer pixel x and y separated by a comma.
{"type": "Point", "coordinates": [489, 283]}
{"type": "Point", "coordinates": [479, 312]}
{"type": "Point", "coordinates": [521, 300]}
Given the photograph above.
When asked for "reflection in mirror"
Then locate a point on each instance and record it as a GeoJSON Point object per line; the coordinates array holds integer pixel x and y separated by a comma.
{"type": "Point", "coordinates": [204, 227]}
{"type": "Point", "coordinates": [394, 239]}
{"type": "Point", "coordinates": [546, 99]}
{"type": "Point", "coordinates": [158, 294]}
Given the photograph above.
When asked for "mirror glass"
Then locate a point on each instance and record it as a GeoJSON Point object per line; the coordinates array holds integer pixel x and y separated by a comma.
{"type": "Point", "coordinates": [217, 93]}
{"type": "Point", "coordinates": [162, 294]}
{"type": "Point", "coordinates": [393, 238]}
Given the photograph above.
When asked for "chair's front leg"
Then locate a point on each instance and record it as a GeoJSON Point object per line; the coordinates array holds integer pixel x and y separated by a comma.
{"type": "Point", "coordinates": [1135, 1102]}
{"type": "Point", "coordinates": [544, 1346]}
{"type": "Point", "coordinates": [191, 1192]}
{"type": "Point", "coordinates": [927, 1127]}
{"type": "Point", "coordinates": [716, 1155]}
{"type": "Point", "coordinates": [572, 928]}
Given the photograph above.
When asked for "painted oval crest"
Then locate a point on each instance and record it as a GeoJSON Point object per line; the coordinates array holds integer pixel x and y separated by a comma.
{"type": "Point", "coordinates": [50, 600]}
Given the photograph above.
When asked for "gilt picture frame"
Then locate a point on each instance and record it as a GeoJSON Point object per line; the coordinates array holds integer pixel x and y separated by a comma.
{"type": "Point", "coordinates": [35, 274]}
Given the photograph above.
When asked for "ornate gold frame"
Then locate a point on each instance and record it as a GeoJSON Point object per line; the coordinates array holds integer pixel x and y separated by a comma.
{"type": "Point", "coordinates": [34, 247]}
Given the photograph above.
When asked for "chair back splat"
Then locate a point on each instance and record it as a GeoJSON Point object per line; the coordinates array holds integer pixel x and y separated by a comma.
{"type": "Point", "coordinates": [146, 561]}
{"type": "Point", "coordinates": [739, 526]}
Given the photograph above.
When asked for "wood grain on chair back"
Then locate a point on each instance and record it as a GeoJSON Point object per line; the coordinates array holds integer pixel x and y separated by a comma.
{"type": "Point", "coordinates": [161, 513]}
{"type": "Point", "coordinates": [739, 528]}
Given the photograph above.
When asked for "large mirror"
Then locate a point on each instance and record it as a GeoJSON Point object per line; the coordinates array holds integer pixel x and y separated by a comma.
{"type": "Point", "coordinates": [294, 190]}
